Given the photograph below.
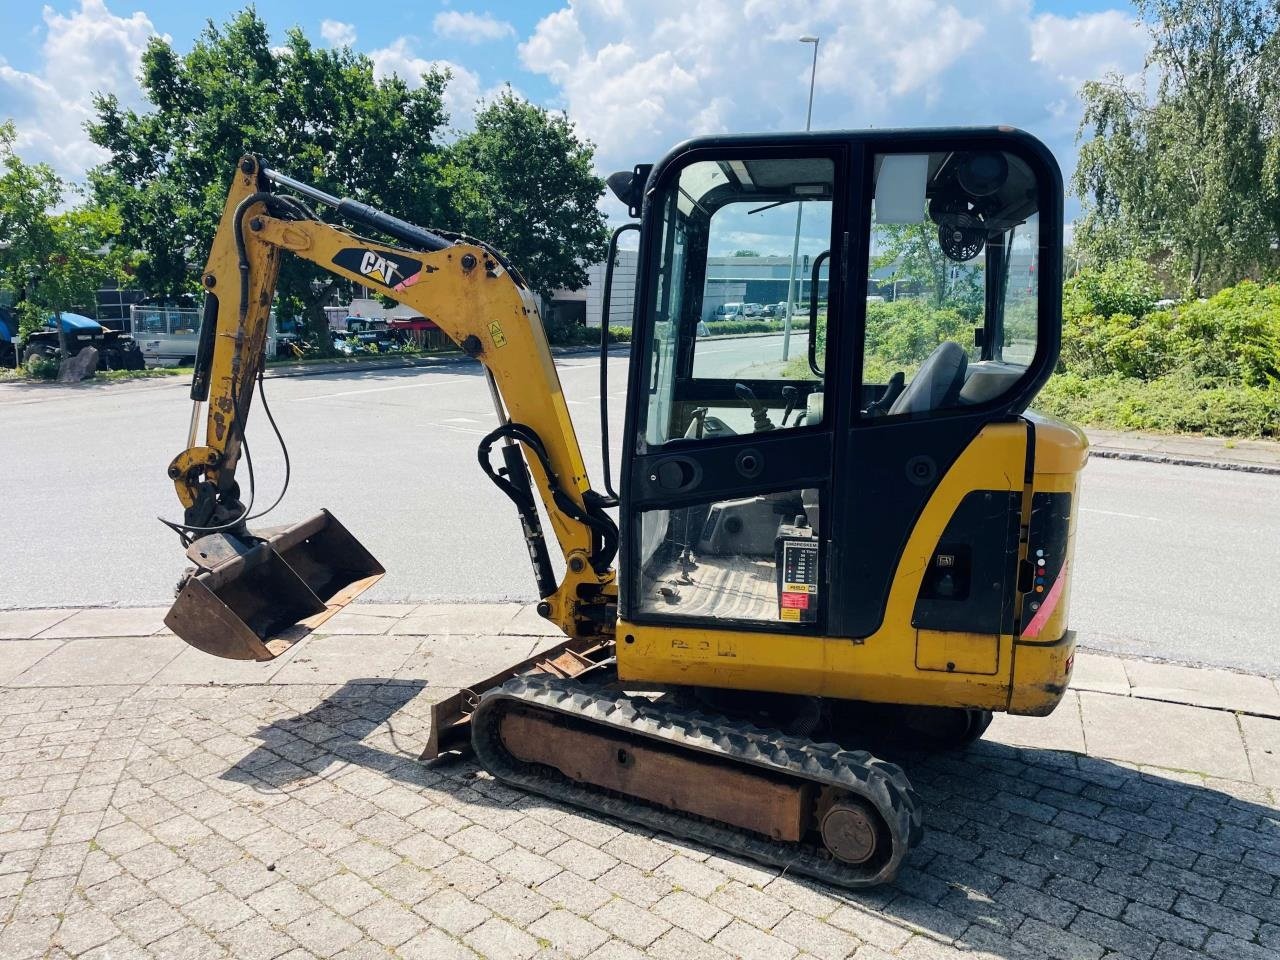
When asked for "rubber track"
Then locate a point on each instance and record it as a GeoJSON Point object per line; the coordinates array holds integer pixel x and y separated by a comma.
{"type": "Point", "coordinates": [882, 784]}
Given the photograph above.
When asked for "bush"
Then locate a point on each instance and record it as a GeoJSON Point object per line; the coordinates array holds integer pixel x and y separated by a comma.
{"type": "Point", "coordinates": [1232, 338]}
{"type": "Point", "coordinates": [1126, 286]}
{"type": "Point", "coordinates": [1144, 348]}
{"type": "Point", "coordinates": [905, 332]}
{"type": "Point", "coordinates": [1176, 403]}
{"type": "Point", "coordinates": [43, 368]}
{"type": "Point", "coordinates": [576, 335]}
{"type": "Point", "coordinates": [724, 328]}
{"type": "Point", "coordinates": [1235, 335]}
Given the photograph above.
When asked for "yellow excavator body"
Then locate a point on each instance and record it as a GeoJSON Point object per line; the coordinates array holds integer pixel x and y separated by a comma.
{"type": "Point", "coordinates": [864, 538]}
{"type": "Point", "coordinates": [899, 663]}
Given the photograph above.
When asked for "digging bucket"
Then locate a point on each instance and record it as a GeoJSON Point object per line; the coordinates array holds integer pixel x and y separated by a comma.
{"type": "Point", "coordinates": [252, 600]}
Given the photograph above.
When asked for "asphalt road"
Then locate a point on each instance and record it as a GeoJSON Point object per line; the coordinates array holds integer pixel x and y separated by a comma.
{"type": "Point", "coordinates": [1171, 562]}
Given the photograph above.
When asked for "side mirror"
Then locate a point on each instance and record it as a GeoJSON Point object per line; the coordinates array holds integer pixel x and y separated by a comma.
{"type": "Point", "coordinates": [628, 186]}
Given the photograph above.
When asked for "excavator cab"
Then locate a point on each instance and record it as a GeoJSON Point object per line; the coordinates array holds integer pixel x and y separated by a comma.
{"type": "Point", "coordinates": [850, 499]}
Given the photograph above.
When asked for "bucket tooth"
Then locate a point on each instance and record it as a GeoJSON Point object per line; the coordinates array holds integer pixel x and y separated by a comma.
{"type": "Point", "coordinates": [253, 600]}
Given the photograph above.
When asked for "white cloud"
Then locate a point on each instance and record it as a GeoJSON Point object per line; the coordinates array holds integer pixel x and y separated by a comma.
{"type": "Point", "coordinates": [87, 51]}
{"type": "Point", "coordinates": [399, 58]}
{"type": "Point", "coordinates": [1085, 47]}
{"type": "Point", "coordinates": [471, 27]}
{"type": "Point", "coordinates": [636, 81]}
{"type": "Point", "coordinates": [338, 34]}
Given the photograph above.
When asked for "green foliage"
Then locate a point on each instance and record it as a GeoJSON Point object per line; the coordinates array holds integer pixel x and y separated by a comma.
{"type": "Point", "coordinates": [903, 333]}
{"type": "Point", "coordinates": [913, 250]}
{"type": "Point", "coordinates": [1177, 403]}
{"type": "Point", "coordinates": [746, 253]}
{"type": "Point", "coordinates": [523, 181]}
{"type": "Point", "coordinates": [1233, 338]}
{"type": "Point", "coordinates": [1235, 335]}
{"type": "Point", "coordinates": [1123, 286]}
{"type": "Point", "coordinates": [42, 368]}
{"type": "Point", "coordinates": [724, 328]}
{"type": "Point", "coordinates": [1211, 366]}
{"type": "Point", "coordinates": [318, 114]}
{"type": "Point", "coordinates": [53, 261]}
{"type": "Point", "coordinates": [582, 336]}
{"type": "Point", "coordinates": [1192, 173]}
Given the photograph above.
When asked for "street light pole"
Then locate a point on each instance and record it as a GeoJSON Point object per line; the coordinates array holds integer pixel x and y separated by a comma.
{"type": "Point", "coordinates": [795, 246]}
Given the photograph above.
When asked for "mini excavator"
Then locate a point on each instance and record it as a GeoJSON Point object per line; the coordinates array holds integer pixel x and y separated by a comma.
{"type": "Point", "coordinates": [844, 530]}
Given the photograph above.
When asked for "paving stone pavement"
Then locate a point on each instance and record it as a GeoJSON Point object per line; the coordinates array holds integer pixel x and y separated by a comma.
{"type": "Point", "coordinates": [291, 819]}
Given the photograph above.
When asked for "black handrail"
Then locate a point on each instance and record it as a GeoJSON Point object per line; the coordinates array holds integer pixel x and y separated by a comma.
{"type": "Point", "coordinates": [813, 312]}
{"type": "Point", "coordinates": [604, 356]}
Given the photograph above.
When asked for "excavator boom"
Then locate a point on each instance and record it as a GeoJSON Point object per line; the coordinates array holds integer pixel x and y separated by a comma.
{"type": "Point", "coordinates": [251, 595]}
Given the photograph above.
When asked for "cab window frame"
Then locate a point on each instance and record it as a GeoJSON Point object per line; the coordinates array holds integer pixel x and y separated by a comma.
{"type": "Point", "coordinates": [688, 387]}
{"type": "Point", "coordinates": [1021, 392]}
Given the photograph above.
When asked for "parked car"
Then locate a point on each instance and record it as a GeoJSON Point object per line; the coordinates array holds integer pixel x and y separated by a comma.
{"type": "Point", "coordinates": [729, 311]}
{"type": "Point", "coordinates": [753, 309]}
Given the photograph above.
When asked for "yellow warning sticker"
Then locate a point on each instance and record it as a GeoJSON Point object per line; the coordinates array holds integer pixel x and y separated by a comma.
{"type": "Point", "coordinates": [495, 331]}
{"type": "Point", "coordinates": [789, 613]}
{"type": "Point", "coordinates": [799, 588]}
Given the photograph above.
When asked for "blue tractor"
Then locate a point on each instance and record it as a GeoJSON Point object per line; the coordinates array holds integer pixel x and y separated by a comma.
{"type": "Point", "coordinates": [116, 350]}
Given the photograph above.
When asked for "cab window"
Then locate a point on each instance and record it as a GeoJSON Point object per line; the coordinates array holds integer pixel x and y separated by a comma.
{"type": "Point", "coordinates": [952, 287]}
{"type": "Point", "coordinates": [729, 353]}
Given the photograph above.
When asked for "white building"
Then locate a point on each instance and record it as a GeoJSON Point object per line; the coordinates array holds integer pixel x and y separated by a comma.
{"type": "Point", "coordinates": [730, 279]}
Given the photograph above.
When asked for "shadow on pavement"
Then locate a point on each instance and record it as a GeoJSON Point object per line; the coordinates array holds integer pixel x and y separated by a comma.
{"type": "Point", "coordinates": [1028, 853]}
{"type": "Point", "coordinates": [299, 747]}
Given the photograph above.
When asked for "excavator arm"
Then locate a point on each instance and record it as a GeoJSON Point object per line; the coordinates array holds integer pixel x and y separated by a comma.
{"type": "Point", "coordinates": [250, 594]}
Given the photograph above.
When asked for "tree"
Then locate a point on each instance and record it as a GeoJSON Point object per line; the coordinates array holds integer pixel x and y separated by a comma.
{"type": "Point", "coordinates": [319, 115]}
{"type": "Point", "coordinates": [523, 181]}
{"type": "Point", "coordinates": [746, 253]}
{"type": "Point", "coordinates": [1191, 174]}
{"type": "Point", "coordinates": [913, 251]}
{"type": "Point", "coordinates": [51, 261]}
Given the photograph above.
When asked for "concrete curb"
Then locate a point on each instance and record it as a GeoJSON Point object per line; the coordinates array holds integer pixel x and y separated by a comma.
{"type": "Point", "coordinates": [1144, 456]}
{"type": "Point", "coordinates": [446, 359]}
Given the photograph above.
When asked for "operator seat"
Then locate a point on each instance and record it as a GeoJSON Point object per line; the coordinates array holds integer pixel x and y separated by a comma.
{"type": "Point", "coordinates": [937, 383]}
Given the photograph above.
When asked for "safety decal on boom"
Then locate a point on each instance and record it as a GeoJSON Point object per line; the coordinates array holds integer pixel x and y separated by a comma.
{"type": "Point", "coordinates": [382, 267]}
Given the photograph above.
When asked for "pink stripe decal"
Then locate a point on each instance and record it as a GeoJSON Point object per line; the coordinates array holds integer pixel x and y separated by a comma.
{"type": "Point", "coordinates": [408, 282]}
{"type": "Point", "coordinates": [1036, 624]}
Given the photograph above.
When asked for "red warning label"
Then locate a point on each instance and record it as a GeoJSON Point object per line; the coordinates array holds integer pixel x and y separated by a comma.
{"type": "Point", "coordinates": [796, 601]}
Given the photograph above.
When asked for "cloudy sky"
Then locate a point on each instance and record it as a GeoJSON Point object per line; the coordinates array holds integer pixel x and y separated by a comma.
{"type": "Point", "coordinates": [636, 77]}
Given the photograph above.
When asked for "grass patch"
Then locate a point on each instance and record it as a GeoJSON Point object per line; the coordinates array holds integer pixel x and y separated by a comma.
{"type": "Point", "coordinates": [149, 373]}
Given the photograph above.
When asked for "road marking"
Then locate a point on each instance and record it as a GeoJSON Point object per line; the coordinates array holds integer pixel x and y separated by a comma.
{"type": "Point", "coordinates": [399, 386]}
{"type": "Point", "coordinates": [459, 420]}
{"type": "Point", "coordinates": [1116, 513]}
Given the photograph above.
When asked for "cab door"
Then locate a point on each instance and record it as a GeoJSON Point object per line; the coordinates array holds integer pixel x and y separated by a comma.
{"type": "Point", "coordinates": [956, 317]}
{"type": "Point", "coordinates": [727, 479]}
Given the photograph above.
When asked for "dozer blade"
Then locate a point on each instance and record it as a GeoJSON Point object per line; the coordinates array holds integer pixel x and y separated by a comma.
{"type": "Point", "coordinates": [254, 600]}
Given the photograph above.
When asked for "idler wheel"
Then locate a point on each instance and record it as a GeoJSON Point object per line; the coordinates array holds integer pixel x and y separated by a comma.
{"type": "Point", "coordinates": [852, 831]}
